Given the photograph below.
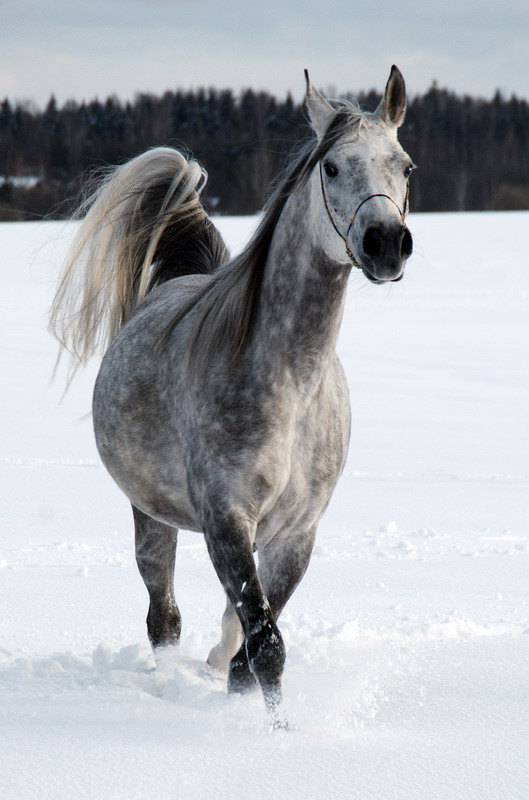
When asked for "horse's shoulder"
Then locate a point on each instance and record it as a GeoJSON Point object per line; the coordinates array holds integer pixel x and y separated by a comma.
{"type": "Point", "coordinates": [334, 384]}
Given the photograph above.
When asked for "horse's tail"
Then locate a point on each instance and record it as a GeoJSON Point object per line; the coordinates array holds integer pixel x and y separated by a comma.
{"type": "Point", "coordinates": [144, 225]}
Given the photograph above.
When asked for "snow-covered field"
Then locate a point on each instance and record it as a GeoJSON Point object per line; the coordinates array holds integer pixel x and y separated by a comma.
{"type": "Point", "coordinates": [407, 673]}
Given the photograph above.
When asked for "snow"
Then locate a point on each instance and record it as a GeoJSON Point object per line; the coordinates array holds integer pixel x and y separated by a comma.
{"type": "Point", "coordinates": [407, 641]}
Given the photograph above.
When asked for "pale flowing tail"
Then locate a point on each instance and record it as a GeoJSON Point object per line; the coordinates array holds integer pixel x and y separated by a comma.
{"type": "Point", "coordinates": [144, 224]}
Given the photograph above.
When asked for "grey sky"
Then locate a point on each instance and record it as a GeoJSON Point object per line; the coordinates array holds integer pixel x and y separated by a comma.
{"type": "Point", "coordinates": [83, 49]}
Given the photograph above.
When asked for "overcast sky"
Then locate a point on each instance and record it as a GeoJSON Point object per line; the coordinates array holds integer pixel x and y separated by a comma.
{"type": "Point", "coordinates": [82, 49]}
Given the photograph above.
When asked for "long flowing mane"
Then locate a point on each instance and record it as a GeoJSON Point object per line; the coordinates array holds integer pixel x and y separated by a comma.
{"type": "Point", "coordinates": [229, 301]}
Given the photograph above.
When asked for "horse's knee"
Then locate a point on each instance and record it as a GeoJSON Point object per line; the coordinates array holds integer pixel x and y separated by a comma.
{"type": "Point", "coordinates": [266, 653]}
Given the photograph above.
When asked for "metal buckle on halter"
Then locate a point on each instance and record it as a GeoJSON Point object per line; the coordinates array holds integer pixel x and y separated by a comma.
{"type": "Point", "coordinates": [350, 254]}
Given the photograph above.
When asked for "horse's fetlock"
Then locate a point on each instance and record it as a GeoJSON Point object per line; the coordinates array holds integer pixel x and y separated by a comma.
{"type": "Point", "coordinates": [164, 623]}
{"type": "Point", "coordinates": [266, 652]}
{"type": "Point", "coordinates": [240, 677]}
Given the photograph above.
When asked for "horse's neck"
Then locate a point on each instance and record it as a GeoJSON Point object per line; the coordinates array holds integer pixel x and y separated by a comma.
{"type": "Point", "coordinates": [303, 294]}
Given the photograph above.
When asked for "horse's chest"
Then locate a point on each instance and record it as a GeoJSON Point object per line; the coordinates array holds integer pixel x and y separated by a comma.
{"type": "Point", "coordinates": [303, 462]}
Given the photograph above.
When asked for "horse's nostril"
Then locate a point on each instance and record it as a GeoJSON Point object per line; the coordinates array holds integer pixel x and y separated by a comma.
{"type": "Point", "coordinates": [388, 245]}
{"type": "Point", "coordinates": [373, 241]}
{"type": "Point", "coordinates": [406, 245]}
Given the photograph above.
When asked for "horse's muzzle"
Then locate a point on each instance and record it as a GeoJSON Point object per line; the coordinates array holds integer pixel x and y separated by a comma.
{"type": "Point", "coordinates": [385, 251]}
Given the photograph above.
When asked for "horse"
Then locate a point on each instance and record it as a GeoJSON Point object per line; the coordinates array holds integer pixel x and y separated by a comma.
{"type": "Point", "coordinates": [220, 405]}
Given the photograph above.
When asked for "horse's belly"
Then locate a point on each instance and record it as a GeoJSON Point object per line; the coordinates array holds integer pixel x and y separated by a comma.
{"type": "Point", "coordinates": [156, 486]}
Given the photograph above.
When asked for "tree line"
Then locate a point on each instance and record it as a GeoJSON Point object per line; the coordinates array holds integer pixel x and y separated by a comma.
{"type": "Point", "coordinates": [473, 154]}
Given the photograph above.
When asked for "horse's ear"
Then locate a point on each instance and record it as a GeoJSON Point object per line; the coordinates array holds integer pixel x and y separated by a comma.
{"type": "Point", "coordinates": [320, 110]}
{"type": "Point", "coordinates": [392, 107]}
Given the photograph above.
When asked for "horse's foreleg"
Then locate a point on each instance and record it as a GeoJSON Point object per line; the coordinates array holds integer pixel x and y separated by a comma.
{"type": "Point", "coordinates": [282, 564]}
{"type": "Point", "coordinates": [155, 556]}
{"type": "Point", "coordinates": [230, 550]}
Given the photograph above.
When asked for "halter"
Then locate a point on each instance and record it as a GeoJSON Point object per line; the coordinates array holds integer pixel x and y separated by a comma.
{"type": "Point", "coordinates": [348, 250]}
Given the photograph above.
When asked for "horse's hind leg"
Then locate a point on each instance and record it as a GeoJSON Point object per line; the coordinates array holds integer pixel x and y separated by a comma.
{"type": "Point", "coordinates": [232, 636]}
{"type": "Point", "coordinates": [155, 556]}
{"type": "Point", "coordinates": [282, 564]}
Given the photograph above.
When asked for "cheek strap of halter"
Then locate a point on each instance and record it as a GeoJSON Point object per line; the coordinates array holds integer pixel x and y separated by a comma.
{"type": "Point", "coordinates": [348, 250]}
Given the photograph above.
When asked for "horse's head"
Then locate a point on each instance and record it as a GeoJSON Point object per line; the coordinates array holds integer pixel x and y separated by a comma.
{"type": "Point", "coordinates": [362, 181]}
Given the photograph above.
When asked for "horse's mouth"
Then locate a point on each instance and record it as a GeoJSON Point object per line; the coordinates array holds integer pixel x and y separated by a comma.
{"type": "Point", "coordinates": [378, 281]}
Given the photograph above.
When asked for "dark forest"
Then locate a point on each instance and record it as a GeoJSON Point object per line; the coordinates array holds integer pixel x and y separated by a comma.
{"type": "Point", "coordinates": [473, 154]}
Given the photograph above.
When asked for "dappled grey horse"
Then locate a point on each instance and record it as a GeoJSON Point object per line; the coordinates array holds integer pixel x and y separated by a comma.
{"type": "Point", "coordinates": [220, 405]}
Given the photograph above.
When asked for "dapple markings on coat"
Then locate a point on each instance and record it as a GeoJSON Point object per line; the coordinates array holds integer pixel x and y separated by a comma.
{"type": "Point", "coordinates": [220, 405]}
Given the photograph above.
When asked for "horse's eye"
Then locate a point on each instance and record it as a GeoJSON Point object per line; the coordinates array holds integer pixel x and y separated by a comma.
{"type": "Point", "coordinates": [330, 169]}
{"type": "Point", "coordinates": [409, 169]}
